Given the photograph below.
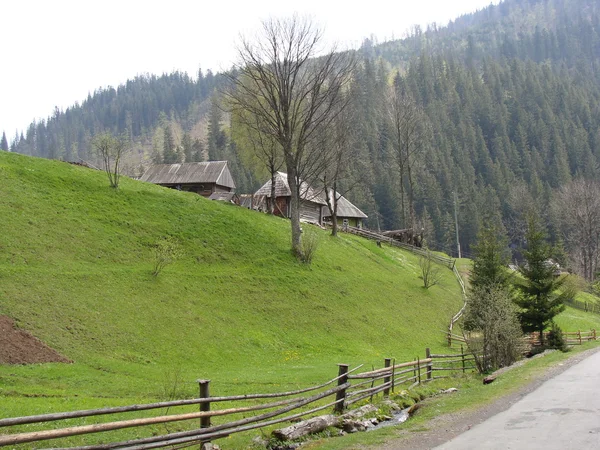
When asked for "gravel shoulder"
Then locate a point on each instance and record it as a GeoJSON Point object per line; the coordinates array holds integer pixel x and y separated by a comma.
{"type": "Point", "coordinates": [447, 426]}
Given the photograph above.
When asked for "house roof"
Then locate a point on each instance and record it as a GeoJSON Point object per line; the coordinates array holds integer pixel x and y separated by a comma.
{"type": "Point", "coordinates": [190, 173]}
{"type": "Point", "coordinates": [346, 209]}
{"type": "Point", "coordinates": [282, 189]}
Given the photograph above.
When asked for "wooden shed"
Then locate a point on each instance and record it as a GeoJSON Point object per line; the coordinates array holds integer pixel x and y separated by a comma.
{"type": "Point", "coordinates": [347, 213]}
{"type": "Point", "coordinates": [204, 178]}
{"type": "Point", "coordinates": [313, 206]}
{"type": "Point", "coordinates": [311, 202]}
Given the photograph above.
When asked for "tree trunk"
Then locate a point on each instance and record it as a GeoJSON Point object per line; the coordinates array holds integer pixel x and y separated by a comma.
{"type": "Point", "coordinates": [294, 209]}
{"type": "Point", "coordinates": [310, 426]}
{"type": "Point", "coordinates": [273, 199]}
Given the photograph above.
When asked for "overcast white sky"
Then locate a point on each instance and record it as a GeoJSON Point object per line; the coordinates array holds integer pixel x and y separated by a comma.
{"type": "Point", "coordinates": [56, 51]}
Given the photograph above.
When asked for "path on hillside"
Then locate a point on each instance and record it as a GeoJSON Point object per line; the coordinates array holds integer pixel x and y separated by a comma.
{"type": "Point", "coordinates": [559, 411]}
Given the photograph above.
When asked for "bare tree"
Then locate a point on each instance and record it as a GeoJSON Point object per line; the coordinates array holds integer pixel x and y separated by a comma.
{"type": "Point", "coordinates": [280, 79]}
{"type": "Point", "coordinates": [264, 147]}
{"type": "Point", "coordinates": [337, 152]}
{"type": "Point", "coordinates": [110, 149]}
{"type": "Point", "coordinates": [431, 273]}
{"type": "Point", "coordinates": [410, 133]}
{"type": "Point", "coordinates": [577, 207]}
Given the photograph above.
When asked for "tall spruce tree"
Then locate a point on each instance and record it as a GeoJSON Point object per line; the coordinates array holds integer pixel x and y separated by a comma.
{"type": "Point", "coordinates": [539, 297]}
{"type": "Point", "coordinates": [491, 313]}
{"type": "Point", "coordinates": [4, 142]}
{"type": "Point", "coordinates": [491, 258]}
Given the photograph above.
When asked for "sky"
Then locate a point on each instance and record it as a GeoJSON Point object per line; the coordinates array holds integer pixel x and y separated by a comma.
{"type": "Point", "coordinates": [55, 52]}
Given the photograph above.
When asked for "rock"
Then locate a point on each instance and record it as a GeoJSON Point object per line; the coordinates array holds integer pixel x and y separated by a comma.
{"type": "Point", "coordinates": [360, 412]}
{"type": "Point", "coordinates": [210, 446]}
{"type": "Point", "coordinates": [489, 379]}
{"type": "Point", "coordinates": [448, 391]}
{"type": "Point", "coordinates": [392, 405]}
{"type": "Point", "coordinates": [260, 441]}
{"type": "Point", "coordinates": [413, 409]}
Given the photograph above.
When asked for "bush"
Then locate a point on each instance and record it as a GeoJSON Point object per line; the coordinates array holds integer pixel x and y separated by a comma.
{"type": "Point", "coordinates": [430, 271]}
{"type": "Point", "coordinates": [166, 251]}
{"type": "Point", "coordinates": [310, 243]}
{"type": "Point", "coordinates": [556, 339]}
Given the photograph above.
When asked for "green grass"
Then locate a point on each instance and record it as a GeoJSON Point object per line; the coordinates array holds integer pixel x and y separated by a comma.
{"type": "Point", "coordinates": [75, 270]}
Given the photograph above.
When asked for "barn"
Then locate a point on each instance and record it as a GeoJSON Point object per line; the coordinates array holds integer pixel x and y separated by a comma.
{"type": "Point", "coordinates": [204, 178]}
{"type": "Point", "coordinates": [313, 207]}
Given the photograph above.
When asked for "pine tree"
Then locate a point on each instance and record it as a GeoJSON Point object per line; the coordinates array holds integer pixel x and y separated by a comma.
{"type": "Point", "coordinates": [4, 142]}
{"type": "Point", "coordinates": [170, 154]}
{"type": "Point", "coordinates": [539, 299]}
{"type": "Point", "coordinates": [491, 258]}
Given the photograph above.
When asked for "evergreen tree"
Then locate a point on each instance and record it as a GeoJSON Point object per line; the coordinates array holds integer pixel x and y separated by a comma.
{"type": "Point", "coordinates": [539, 297]}
{"type": "Point", "coordinates": [490, 312]}
{"type": "Point", "coordinates": [170, 154]}
{"type": "Point", "coordinates": [188, 147]}
{"type": "Point", "coordinates": [491, 258]}
{"type": "Point", "coordinates": [4, 142]}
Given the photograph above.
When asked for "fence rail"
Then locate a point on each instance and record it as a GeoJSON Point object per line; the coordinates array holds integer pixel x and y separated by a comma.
{"type": "Point", "coordinates": [347, 388]}
{"type": "Point", "coordinates": [584, 306]}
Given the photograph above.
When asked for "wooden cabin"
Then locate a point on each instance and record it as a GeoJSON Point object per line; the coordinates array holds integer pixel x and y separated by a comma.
{"type": "Point", "coordinates": [203, 178]}
{"type": "Point", "coordinates": [347, 213]}
{"type": "Point", "coordinates": [311, 203]}
{"type": "Point", "coordinates": [313, 207]}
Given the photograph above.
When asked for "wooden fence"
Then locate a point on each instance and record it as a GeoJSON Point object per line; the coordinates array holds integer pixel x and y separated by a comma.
{"type": "Point", "coordinates": [264, 410]}
{"type": "Point", "coordinates": [584, 306]}
{"type": "Point", "coordinates": [533, 339]}
{"type": "Point", "coordinates": [571, 337]}
{"type": "Point", "coordinates": [367, 234]}
{"type": "Point", "coordinates": [449, 262]}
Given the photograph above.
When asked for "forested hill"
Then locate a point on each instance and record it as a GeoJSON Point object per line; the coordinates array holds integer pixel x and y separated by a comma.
{"type": "Point", "coordinates": [510, 97]}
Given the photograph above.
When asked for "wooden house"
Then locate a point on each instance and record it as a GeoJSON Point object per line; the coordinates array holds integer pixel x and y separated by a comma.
{"type": "Point", "coordinates": [347, 213]}
{"type": "Point", "coordinates": [204, 178]}
{"type": "Point", "coordinates": [313, 207]}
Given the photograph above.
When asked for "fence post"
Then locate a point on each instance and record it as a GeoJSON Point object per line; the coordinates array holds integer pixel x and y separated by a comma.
{"type": "Point", "coordinates": [341, 395]}
{"type": "Point", "coordinates": [450, 333]}
{"type": "Point", "coordinates": [386, 391]}
{"type": "Point", "coordinates": [462, 355]}
{"type": "Point", "coordinates": [429, 364]}
{"type": "Point", "coordinates": [419, 369]}
{"type": "Point", "coordinates": [204, 406]}
{"type": "Point", "coordinates": [579, 334]}
{"type": "Point", "coordinates": [594, 330]}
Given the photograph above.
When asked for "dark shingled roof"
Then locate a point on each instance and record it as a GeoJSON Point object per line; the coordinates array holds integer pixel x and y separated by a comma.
{"type": "Point", "coordinates": [190, 173]}
{"type": "Point", "coordinates": [346, 209]}
{"type": "Point", "coordinates": [282, 189]}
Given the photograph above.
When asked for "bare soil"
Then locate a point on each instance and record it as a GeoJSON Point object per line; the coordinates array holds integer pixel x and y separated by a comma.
{"type": "Point", "coordinates": [447, 426]}
{"type": "Point", "coordinates": [20, 347]}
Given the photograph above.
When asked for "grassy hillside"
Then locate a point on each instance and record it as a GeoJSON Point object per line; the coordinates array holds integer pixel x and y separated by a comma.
{"type": "Point", "coordinates": [75, 270]}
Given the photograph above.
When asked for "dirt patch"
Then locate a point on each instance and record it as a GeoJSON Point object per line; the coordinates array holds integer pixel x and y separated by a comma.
{"type": "Point", "coordinates": [20, 347]}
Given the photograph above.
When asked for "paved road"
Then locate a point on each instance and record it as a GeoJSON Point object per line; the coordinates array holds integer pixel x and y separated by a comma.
{"type": "Point", "coordinates": [563, 413]}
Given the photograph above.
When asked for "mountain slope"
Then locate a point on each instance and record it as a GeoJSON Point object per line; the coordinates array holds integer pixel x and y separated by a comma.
{"type": "Point", "coordinates": [75, 271]}
{"type": "Point", "coordinates": [510, 94]}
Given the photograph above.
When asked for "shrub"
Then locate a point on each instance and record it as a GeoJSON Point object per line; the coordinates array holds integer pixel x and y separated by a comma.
{"type": "Point", "coordinates": [166, 251]}
{"type": "Point", "coordinates": [310, 244]}
{"type": "Point", "coordinates": [556, 339]}
{"type": "Point", "coordinates": [430, 271]}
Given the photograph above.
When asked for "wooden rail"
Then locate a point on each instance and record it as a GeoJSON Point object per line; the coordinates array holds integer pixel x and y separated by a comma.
{"type": "Point", "coordinates": [449, 262]}
{"type": "Point", "coordinates": [350, 387]}
{"type": "Point", "coordinates": [584, 306]}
